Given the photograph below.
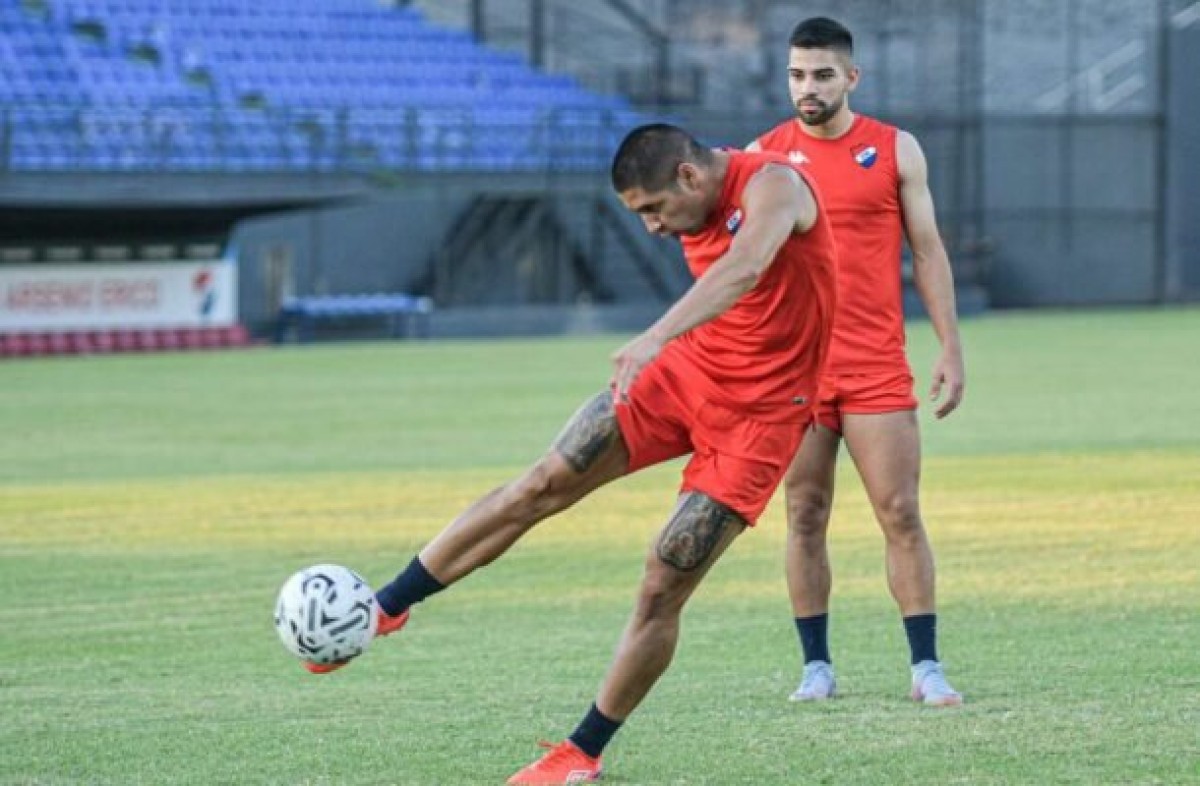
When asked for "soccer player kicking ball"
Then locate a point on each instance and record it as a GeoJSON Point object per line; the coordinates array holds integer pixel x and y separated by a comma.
{"type": "Point", "coordinates": [873, 177]}
{"type": "Point", "coordinates": [729, 375]}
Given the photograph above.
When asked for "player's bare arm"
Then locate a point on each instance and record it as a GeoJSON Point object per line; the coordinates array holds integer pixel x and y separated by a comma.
{"type": "Point", "coordinates": [931, 272]}
{"type": "Point", "coordinates": [695, 530]}
{"type": "Point", "coordinates": [777, 204]}
{"type": "Point", "coordinates": [589, 434]}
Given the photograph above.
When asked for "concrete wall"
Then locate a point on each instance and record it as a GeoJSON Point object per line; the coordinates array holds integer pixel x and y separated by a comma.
{"type": "Point", "coordinates": [387, 241]}
{"type": "Point", "coordinates": [378, 244]}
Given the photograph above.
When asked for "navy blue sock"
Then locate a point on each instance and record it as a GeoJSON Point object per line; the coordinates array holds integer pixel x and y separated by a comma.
{"type": "Point", "coordinates": [922, 636]}
{"type": "Point", "coordinates": [413, 585]}
{"type": "Point", "coordinates": [814, 637]}
{"type": "Point", "coordinates": [594, 732]}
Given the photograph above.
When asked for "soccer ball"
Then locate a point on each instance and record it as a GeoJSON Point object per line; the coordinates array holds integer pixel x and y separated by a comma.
{"type": "Point", "coordinates": [325, 614]}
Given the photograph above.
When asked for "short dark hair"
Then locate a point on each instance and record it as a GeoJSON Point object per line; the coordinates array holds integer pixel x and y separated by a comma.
{"type": "Point", "coordinates": [650, 155]}
{"type": "Point", "coordinates": [821, 32]}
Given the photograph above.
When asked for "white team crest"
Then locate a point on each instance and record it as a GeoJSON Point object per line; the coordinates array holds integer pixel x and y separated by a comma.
{"type": "Point", "coordinates": [734, 222]}
{"type": "Point", "coordinates": [866, 156]}
{"type": "Point", "coordinates": [797, 157]}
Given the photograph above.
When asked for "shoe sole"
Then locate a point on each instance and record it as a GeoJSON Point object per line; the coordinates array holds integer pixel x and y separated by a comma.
{"type": "Point", "coordinates": [326, 668]}
{"type": "Point", "coordinates": [810, 698]}
{"type": "Point", "coordinates": [949, 701]}
{"type": "Point", "coordinates": [592, 779]}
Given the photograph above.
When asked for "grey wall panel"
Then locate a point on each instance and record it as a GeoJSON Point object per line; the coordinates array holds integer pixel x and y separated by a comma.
{"type": "Point", "coordinates": [1113, 165]}
{"type": "Point", "coordinates": [1046, 262]}
{"type": "Point", "coordinates": [1022, 166]}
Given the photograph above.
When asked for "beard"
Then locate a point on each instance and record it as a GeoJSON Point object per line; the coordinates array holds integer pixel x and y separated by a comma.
{"type": "Point", "coordinates": [819, 116]}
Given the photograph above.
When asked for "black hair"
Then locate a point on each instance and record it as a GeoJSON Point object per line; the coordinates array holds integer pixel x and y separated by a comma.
{"type": "Point", "coordinates": [650, 155]}
{"type": "Point", "coordinates": [821, 32]}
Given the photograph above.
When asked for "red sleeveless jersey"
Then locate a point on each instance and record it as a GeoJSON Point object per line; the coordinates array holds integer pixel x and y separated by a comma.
{"type": "Point", "coordinates": [765, 354]}
{"type": "Point", "coordinates": [860, 181]}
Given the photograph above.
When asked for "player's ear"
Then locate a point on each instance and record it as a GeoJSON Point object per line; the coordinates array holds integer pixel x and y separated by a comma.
{"type": "Point", "coordinates": [852, 75]}
{"type": "Point", "coordinates": [688, 176]}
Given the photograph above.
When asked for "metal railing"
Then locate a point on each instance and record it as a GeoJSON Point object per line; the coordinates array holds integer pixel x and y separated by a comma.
{"type": "Point", "coordinates": [167, 139]}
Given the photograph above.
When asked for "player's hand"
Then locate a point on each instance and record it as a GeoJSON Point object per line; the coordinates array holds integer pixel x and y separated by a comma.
{"type": "Point", "coordinates": [628, 362]}
{"type": "Point", "coordinates": [948, 376]}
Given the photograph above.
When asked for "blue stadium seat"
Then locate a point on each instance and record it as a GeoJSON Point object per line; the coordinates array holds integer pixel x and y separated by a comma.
{"type": "Point", "coordinates": [370, 86]}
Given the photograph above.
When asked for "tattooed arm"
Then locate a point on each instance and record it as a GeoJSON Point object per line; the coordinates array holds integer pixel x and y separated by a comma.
{"type": "Point", "coordinates": [778, 203]}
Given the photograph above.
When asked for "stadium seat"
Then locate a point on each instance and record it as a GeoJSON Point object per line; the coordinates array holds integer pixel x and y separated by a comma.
{"type": "Point", "coordinates": [338, 57]}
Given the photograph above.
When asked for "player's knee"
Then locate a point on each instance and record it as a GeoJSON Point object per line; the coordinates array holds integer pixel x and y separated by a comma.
{"type": "Point", "coordinates": [900, 517]}
{"type": "Point", "coordinates": [808, 509]}
{"type": "Point", "coordinates": [659, 601]}
{"type": "Point", "coordinates": [537, 490]}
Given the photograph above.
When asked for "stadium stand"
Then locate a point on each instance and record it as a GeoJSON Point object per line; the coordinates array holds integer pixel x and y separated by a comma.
{"type": "Point", "coordinates": [202, 89]}
{"type": "Point", "coordinates": [213, 85]}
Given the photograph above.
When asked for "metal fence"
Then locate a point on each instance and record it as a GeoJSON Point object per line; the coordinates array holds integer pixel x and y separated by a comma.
{"type": "Point", "coordinates": [1044, 124]}
{"type": "Point", "coordinates": [1043, 120]}
{"type": "Point", "coordinates": [222, 139]}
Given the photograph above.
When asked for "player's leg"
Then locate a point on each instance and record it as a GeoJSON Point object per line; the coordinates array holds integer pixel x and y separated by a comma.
{"type": "Point", "coordinates": [588, 453]}
{"type": "Point", "coordinates": [600, 443]}
{"type": "Point", "coordinates": [699, 531]}
{"type": "Point", "coordinates": [736, 466]}
{"type": "Point", "coordinates": [808, 490]}
{"type": "Point", "coordinates": [886, 449]}
{"type": "Point", "coordinates": [887, 453]}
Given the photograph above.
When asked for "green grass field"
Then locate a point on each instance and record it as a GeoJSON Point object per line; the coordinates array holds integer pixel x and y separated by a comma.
{"type": "Point", "coordinates": [150, 507]}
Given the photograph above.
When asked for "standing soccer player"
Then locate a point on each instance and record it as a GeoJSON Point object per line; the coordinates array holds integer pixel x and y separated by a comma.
{"type": "Point", "coordinates": [729, 375]}
{"type": "Point", "coordinates": [873, 178]}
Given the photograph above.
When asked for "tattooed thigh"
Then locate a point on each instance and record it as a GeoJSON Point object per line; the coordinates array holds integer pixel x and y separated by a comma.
{"type": "Point", "coordinates": [590, 432]}
{"type": "Point", "coordinates": [696, 528]}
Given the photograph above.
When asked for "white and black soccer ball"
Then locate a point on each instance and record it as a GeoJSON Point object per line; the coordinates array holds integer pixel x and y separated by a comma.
{"type": "Point", "coordinates": [325, 614]}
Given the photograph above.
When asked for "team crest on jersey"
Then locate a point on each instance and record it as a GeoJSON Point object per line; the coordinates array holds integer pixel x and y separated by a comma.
{"type": "Point", "coordinates": [797, 157]}
{"type": "Point", "coordinates": [865, 155]}
{"type": "Point", "coordinates": [734, 222]}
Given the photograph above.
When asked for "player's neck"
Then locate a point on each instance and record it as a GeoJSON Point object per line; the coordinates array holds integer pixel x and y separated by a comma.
{"type": "Point", "coordinates": [837, 126]}
{"type": "Point", "coordinates": [719, 171]}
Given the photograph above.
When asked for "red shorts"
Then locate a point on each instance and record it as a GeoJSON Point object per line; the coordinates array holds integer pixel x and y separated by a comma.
{"type": "Point", "coordinates": [864, 394]}
{"type": "Point", "coordinates": [736, 460]}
